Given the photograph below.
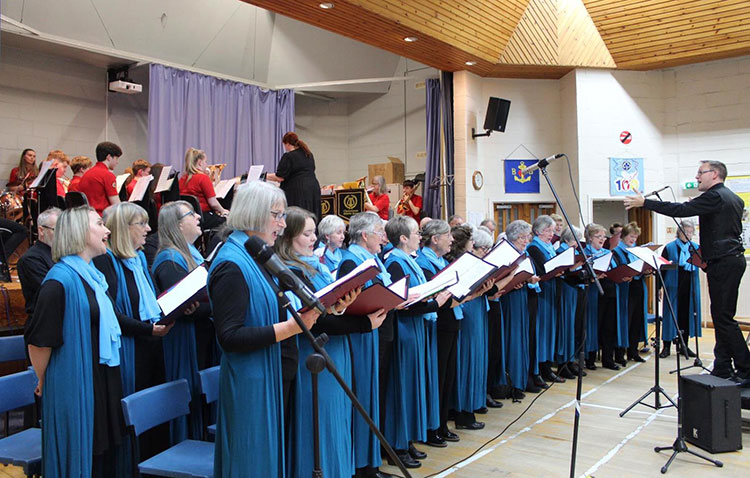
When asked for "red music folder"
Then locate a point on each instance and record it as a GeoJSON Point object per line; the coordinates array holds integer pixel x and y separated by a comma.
{"type": "Point", "coordinates": [626, 271]}
{"type": "Point", "coordinates": [697, 260]}
{"type": "Point", "coordinates": [378, 296]}
{"type": "Point", "coordinates": [523, 273]}
{"type": "Point", "coordinates": [562, 262]}
{"type": "Point", "coordinates": [358, 277]}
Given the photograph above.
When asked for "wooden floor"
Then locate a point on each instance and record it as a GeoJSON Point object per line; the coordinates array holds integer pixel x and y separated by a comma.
{"type": "Point", "coordinates": [539, 442]}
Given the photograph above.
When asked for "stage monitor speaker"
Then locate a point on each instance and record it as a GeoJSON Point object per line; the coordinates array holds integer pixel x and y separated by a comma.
{"type": "Point", "coordinates": [497, 114]}
{"type": "Point", "coordinates": [711, 417]}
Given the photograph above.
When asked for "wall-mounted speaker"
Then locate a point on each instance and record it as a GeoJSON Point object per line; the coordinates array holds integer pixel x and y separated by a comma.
{"type": "Point", "coordinates": [497, 114]}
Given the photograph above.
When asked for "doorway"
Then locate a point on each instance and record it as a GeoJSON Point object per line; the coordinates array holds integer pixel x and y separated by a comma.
{"type": "Point", "coordinates": [505, 213]}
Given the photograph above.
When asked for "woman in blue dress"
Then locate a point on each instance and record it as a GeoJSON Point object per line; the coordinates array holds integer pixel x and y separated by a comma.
{"type": "Point", "coordinates": [540, 250]}
{"type": "Point", "coordinates": [179, 227]}
{"type": "Point", "coordinates": [635, 295]}
{"type": "Point", "coordinates": [74, 341]}
{"type": "Point", "coordinates": [331, 231]}
{"type": "Point", "coordinates": [367, 236]}
{"type": "Point", "coordinates": [295, 247]}
{"type": "Point", "coordinates": [436, 242]}
{"type": "Point", "coordinates": [406, 402]}
{"type": "Point", "coordinates": [683, 289]}
{"type": "Point", "coordinates": [249, 325]}
{"type": "Point", "coordinates": [572, 292]}
{"type": "Point", "coordinates": [516, 314]}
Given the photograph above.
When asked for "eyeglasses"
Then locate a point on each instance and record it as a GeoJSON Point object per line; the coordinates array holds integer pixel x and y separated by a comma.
{"type": "Point", "coordinates": [142, 223]}
{"type": "Point", "coordinates": [47, 227]}
{"type": "Point", "coordinates": [278, 215]}
{"type": "Point", "coordinates": [700, 173]}
{"type": "Point", "coordinates": [189, 213]}
{"type": "Point", "coordinates": [379, 233]}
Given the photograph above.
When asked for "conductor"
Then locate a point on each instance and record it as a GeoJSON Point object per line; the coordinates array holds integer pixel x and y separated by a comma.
{"type": "Point", "coordinates": [720, 214]}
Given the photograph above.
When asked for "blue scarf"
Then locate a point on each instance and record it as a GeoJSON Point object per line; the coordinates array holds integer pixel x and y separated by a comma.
{"type": "Point", "coordinates": [623, 248]}
{"type": "Point", "coordinates": [363, 254]}
{"type": "Point", "coordinates": [148, 308]}
{"type": "Point", "coordinates": [595, 252]}
{"type": "Point", "coordinates": [416, 274]}
{"type": "Point", "coordinates": [332, 258]}
{"type": "Point", "coordinates": [682, 261]}
{"type": "Point", "coordinates": [535, 287]}
{"type": "Point", "coordinates": [547, 249]}
{"type": "Point", "coordinates": [427, 256]}
{"type": "Point", "coordinates": [109, 328]}
{"type": "Point", "coordinates": [322, 276]}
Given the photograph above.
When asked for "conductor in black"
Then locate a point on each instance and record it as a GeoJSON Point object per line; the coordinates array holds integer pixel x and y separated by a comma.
{"type": "Point", "coordinates": [720, 214]}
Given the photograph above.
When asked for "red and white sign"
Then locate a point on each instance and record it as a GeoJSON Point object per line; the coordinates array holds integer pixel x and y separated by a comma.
{"type": "Point", "coordinates": [626, 137]}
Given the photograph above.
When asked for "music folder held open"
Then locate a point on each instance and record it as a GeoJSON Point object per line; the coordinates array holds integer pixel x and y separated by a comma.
{"type": "Point", "coordinates": [626, 271]}
{"type": "Point", "coordinates": [472, 273]}
{"type": "Point", "coordinates": [358, 277]}
{"type": "Point", "coordinates": [523, 273]}
{"type": "Point", "coordinates": [192, 288]}
{"type": "Point", "coordinates": [378, 296]}
{"type": "Point", "coordinates": [505, 257]}
{"type": "Point", "coordinates": [561, 263]}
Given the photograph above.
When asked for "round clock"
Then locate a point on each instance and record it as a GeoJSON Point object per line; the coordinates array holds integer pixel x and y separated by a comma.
{"type": "Point", "coordinates": [477, 180]}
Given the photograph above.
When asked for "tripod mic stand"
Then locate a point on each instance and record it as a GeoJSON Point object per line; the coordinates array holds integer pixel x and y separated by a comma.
{"type": "Point", "coordinates": [315, 363]}
{"type": "Point", "coordinates": [589, 268]}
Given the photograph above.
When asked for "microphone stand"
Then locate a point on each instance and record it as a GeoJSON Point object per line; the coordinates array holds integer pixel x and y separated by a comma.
{"type": "Point", "coordinates": [589, 269]}
{"type": "Point", "coordinates": [315, 363]}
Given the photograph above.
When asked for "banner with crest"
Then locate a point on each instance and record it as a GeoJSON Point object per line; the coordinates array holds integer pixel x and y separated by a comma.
{"type": "Point", "coordinates": [516, 180]}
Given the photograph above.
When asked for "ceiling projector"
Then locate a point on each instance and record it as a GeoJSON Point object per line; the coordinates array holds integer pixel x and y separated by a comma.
{"type": "Point", "coordinates": [127, 87]}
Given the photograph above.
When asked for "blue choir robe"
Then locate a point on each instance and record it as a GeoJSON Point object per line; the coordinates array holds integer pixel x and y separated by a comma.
{"type": "Point", "coordinates": [678, 252]}
{"type": "Point", "coordinates": [406, 408]}
{"type": "Point", "coordinates": [181, 357]}
{"type": "Point", "coordinates": [546, 315]}
{"type": "Point", "coordinates": [431, 264]}
{"type": "Point", "coordinates": [334, 407]}
{"type": "Point", "coordinates": [250, 417]}
{"type": "Point", "coordinates": [515, 307]}
{"type": "Point", "coordinates": [365, 364]}
{"type": "Point", "coordinates": [471, 357]}
{"type": "Point", "coordinates": [592, 307]}
{"type": "Point", "coordinates": [623, 290]}
{"type": "Point", "coordinates": [565, 351]}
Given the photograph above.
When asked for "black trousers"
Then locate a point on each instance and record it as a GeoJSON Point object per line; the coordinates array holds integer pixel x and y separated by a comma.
{"type": "Point", "coordinates": [579, 321]}
{"type": "Point", "coordinates": [385, 351]}
{"type": "Point", "coordinates": [533, 307]}
{"type": "Point", "coordinates": [608, 328]}
{"type": "Point", "coordinates": [724, 276]}
{"type": "Point", "coordinates": [13, 235]}
{"type": "Point", "coordinates": [635, 316]}
{"type": "Point", "coordinates": [447, 353]}
{"type": "Point", "coordinates": [494, 345]}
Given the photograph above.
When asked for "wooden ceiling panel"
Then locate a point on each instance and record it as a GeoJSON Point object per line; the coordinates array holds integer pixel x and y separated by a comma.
{"type": "Point", "coordinates": [537, 38]}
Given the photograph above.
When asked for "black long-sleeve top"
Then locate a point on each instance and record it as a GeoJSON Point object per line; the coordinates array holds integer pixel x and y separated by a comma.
{"type": "Point", "coordinates": [385, 331]}
{"type": "Point", "coordinates": [446, 319]}
{"type": "Point", "coordinates": [720, 213]}
{"type": "Point", "coordinates": [32, 269]}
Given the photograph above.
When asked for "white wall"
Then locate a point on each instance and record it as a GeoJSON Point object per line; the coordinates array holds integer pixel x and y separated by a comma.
{"type": "Point", "coordinates": [50, 103]}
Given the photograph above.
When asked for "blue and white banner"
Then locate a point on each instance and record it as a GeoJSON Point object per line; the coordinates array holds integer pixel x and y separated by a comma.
{"type": "Point", "coordinates": [516, 180]}
{"type": "Point", "coordinates": [625, 176]}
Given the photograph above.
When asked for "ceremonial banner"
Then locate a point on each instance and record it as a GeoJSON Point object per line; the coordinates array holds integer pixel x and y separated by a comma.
{"type": "Point", "coordinates": [516, 181]}
{"type": "Point", "coordinates": [349, 202]}
{"type": "Point", "coordinates": [327, 206]}
{"type": "Point", "coordinates": [625, 176]}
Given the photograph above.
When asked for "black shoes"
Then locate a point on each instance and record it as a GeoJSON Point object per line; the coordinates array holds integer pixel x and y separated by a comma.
{"type": "Point", "coordinates": [665, 349]}
{"type": "Point", "coordinates": [565, 372]}
{"type": "Point", "coordinates": [448, 435]}
{"type": "Point", "coordinates": [531, 388]}
{"type": "Point", "coordinates": [590, 365]}
{"type": "Point", "coordinates": [434, 439]}
{"type": "Point", "coordinates": [517, 394]}
{"type": "Point", "coordinates": [481, 411]}
{"type": "Point", "coordinates": [492, 403]}
{"type": "Point", "coordinates": [539, 382]}
{"type": "Point", "coordinates": [370, 472]}
{"type": "Point", "coordinates": [470, 426]}
{"type": "Point", "coordinates": [406, 459]}
{"type": "Point", "coordinates": [610, 365]}
{"type": "Point", "coordinates": [416, 454]}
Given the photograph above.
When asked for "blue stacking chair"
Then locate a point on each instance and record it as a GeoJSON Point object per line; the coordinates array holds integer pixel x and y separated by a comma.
{"type": "Point", "coordinates": [210, 391]}
{"type": "Point", "coordinates": [12, 348]}
{"type": "Point", "coordinates": [24, 448]}
{"type": "Point", "coordinates": [156, 405]}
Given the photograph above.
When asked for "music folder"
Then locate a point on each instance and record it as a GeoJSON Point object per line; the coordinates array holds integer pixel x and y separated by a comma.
{"type": "Point", "coordinates": [602, 263]}
{"type": "Point", "coordinates": [505, 257]}
{"type": "Point", "coordinates": [192, 288]}
{"type": "Point", "coordinates": [523, 273]}
{"type": "Point", "coordinates": [561, 263]}
{"type": "Point", "coordinates": [696, 259]}
{"type": "Point", "coordinates": [164, 183]}
{"type": "Point", "coordinates": [378, 296]}
{"type": "Point", "coordinates": [626, 271]}
{"type": "Point", "coordinates": [140, 188]}
{"type": "Point", "coordinates": [358, 277]}
{"type": "Point", "coordinates": [472, 273]}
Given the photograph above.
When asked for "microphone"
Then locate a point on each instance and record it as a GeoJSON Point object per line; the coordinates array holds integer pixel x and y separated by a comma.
{"type": "Point", "coordinates": [542, 163]}
{"type": "Point", "coordinates": [264, 256]}
{"type": "Point", "coordinates": [654, 193]}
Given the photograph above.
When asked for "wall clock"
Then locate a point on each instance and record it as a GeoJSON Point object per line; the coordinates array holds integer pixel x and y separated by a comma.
{"type": "Point", "coordinates": [477, 180]}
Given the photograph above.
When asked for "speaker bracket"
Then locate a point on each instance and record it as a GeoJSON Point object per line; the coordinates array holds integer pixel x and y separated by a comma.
{"type": "Point", "coordinates": [474, 134]}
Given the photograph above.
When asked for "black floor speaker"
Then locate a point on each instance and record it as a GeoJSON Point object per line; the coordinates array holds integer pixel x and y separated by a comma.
{"type": "Point", "coordinates": [711, 416]}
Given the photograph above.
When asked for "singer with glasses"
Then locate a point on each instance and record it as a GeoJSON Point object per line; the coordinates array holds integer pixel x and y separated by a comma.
{"type": "Point", "coordinates": [719, 211]}
{"type": "Point", "coordinates": [250, 325]}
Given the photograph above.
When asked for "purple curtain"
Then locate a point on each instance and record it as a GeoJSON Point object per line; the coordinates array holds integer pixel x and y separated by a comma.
{"type": "Point", "coordinates": [431, 206]}
{"type": "Point", "coordinates": [235, 123]}
{"type": "Point", "coordinates": [450, 170]}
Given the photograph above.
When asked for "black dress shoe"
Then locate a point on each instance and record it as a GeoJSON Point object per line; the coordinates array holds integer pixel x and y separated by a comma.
{"type": "Point", "coordinates": [517, 394]}
{"type": "Point", "coordinates": [416, 454]}
{"type": "Point", "coordinates": [449, 435]}
{"type": "Point", "coordinates": [434, 439]}
{"type": "Point", "coordinates": [406, 459]}
{"type": "Point", "coordinates": [691, 353]}
{"type": "Point", "coordinates": [470, 426]}
{"type": "Point", "coordinates": [637, 358]}
{"type": "Point", "coordinates": [610, 365]}
{"type": "Point", "coordinates": [590, 365]}
{"type": "Point", "coordinates": [565, 373]}
{"type": "Point", "coordinates": [532, 388]}
{"type": "Point", "coordinates": [501, 392]}
{"type": "Point", "coordinates": [481, 411]}
{"type": "Point", "coordinates": [665, 350]}
{"type": "Point", "coordinates": [375, 473]}
{"type": "Point", "coordinates": [539, 381]}
{"type": "Point", "coordinates": [492, 403]}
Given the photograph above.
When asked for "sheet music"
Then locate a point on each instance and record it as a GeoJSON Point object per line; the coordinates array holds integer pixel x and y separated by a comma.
{"type": "Point", "coordinates": [42, 172]}
{"type": "Point", "coordinates": [648, 256]}
{"type": "Point", "coordinates": [525, 266]}
{"type": "Point", "coordinates": [437, 284]}
{"type": "Point", "coordinates": [637, 265]}
{"type": "Point", "coordinates": [164, 182]}
{"type": "Point", "coordinates": [502, 254]}
{"type": "Point", "coordinates": [564, 259]}
{"type": "Point", "coordinates": [254, 173]}
{"type": "Point", "coordinates": [601, 264]}
{"type": "Point", "coordinates": [188, 287]}
{"type": "Point", "coordinates": [140, 188]}
{"type": "Point", "coordinates": [366, 264]}
{"type": "Point", "coordinates": [469, 269]}
{"type": "Point", "coordinates": [223, 188]}
{"type": "Point", "coordinates": [120, 180]}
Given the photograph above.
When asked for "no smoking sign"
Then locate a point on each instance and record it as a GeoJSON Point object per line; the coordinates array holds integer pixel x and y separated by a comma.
{"type": "Point", "coordinates": [626, 137]}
